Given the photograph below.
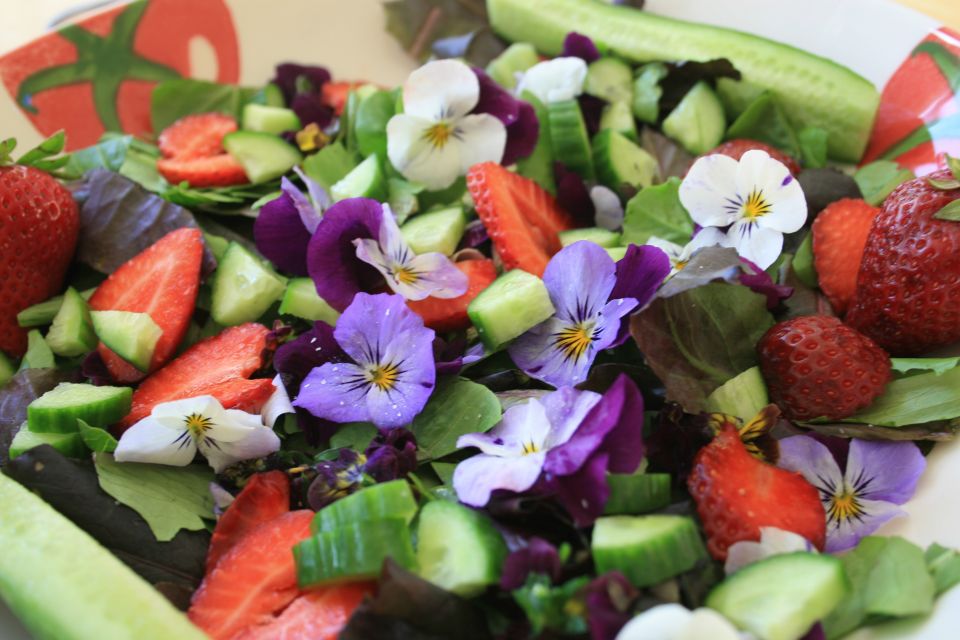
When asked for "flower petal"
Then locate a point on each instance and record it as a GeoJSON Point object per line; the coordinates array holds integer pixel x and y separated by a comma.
{"type": "Point", "coordinates": [758, 172]}
{"type": "Point", "coordinates": [580, 278]}
{"type": "Point", "coordinates": [476, 478]}
{"type": "Point", "coordinates": [289, 77]}
{"type": "Point", "coordinates": [813, 461]}
{"type": "Point", "coordinates": [277, 404]}
{"type": "Point", "coordinates": [519, 117]}
{"type": "Point", "coordinates": [760, 282]}
{"type": "Point", "coordinates": [523, 427]}
{"type": "Point", "coordinates": [607, 208]}
{"type": "Point", "coordinates": [372, 323]}
{"type": "Point", "coordinates": [318, 195]}
{"type": "Point", "coordinates": [539, 556]}
{"type": "Point", "coordinates": [151, 441]}
{"type": "Point", "coordinates": [554, 80]}
{"type": "Point", "coordinates": [258, 443]}
{"type": "Point", "coordinates": [847, 532]}
{"type": "Point", "coordinates": [707, 623]}
{"type": "Point", "coordinates": [709, 191]}
{"type": "Point", "coordinates": [539, 354]}
{"type": "Point", "coordinates": [295, 359]}
{"type": "Point", "coordinates": [309, 216]}
{"type": "Point", "coordinates": [773, 541]}
{"type": "Point", "coordinates": [585, 493]}
{"type": "Point", "coordinates": [580, 46]}
{"type": "Point", "coordinates": [565, 410]}
{"type": "Point", "coordinates": [886, 471]}
{"type": "Point", "coordinates": [281, 236]}
{"type": "Point", "coordinates": [663, 622]}
{"type": "Point", "coordinates": [441, 90]}
{"type": "Point", "coordinates": [482, 138]}
{"type": "Point", "coordinates": [757, 244]}
{"type": "Point", "coordinates": [400, 404]}
{"type": "Point", "coordinates": [413, 155]}
{"type": "Point", "coordinates": [439, 277]}
{"type": "Point", "coordinates": [337, 392]}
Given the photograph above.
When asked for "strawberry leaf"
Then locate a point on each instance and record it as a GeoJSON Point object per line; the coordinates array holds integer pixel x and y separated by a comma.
{"type": "Point", "coordinates": [46, 149]}
{"type": "Point", "coordinates": [950, 212]}
{"type": "Point", "coordinates": [954, 165]}
{"type": "Point", "coordinates": [6, 148]}
{"type": "Point", "coordinates": [944, 185]}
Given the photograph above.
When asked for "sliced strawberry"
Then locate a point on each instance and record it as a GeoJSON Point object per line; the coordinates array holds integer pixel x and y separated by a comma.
{"type": "Point", "coordinates": [736, 494]}
{"type": "Point", "coordinates": [335, 94]}
{"type": "Point", "coordinates": [217, 366]}
{"type": "Point", "coordinates": [450, 314]}
{"type": "Point", "coordinates": [316, 615]}
{"type": "Point", "coordinates": [253, 580]}
{"type": "Point", "coordinates": [521, 218]}
{"type": "Point", "coordinates": [266, 496]}
{"type": "Point", "coordinates": [162, 281]}
{"type": "Point", "coordinates": [242, 394]}
{"type": "Point", "coordinates": [212, 171]}
{"type": "Point", "coordinates": [196, 136]}
{"type": "Point", "coordinates": [839, 237]}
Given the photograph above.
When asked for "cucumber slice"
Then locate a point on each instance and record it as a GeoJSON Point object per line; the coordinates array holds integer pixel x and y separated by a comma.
{"type": "Point", "coordinates": [458, 549]}
{"type": "Point", "coordinates": [264, 156]}
{"type": "Point", "coordinates": [57, 410]}
{"type": "Point", "coordinates": [217, 245]}
{"type": "Point", "coordinates": [603, 237]}
{"type": "Point", "coordinates": [568, 137]}
{"type": "Point", "coordinates": [69, 444]}
{"type": "Point", "coordinates": [622, 165]}
{"type": "Point", "coordinates": [387, 500]}
{"type": "Point", "coordinates": [619, 117]}
{"type": "Point", "coordinates": [516, 58]}
{"type": "Point", "coordinates": [301, 300]}
{"type": "Point", "coordinates": [781, 597]}
{"type": "Point", "coordinates": [538, 166]}
{"type": "Point", "coordinates": [438, 231]}
{"type": "Point", "coordinates": [646, 549]}
{"type": "Point", "coordinates": [62, 584]}
{"type": "Point", "coordinates": [647, 92]}
{"type": "Point", "coordinates": [637, 493]}
{"type": "Point", "coordinates": [512, 304]}
{"type": "Point", "coordinates": [609, 79]}
{"type": "Point", "coordinates": [38, 355]}
{"type": "Point", "coordinates": [353, 551]}
{"type": "Point", "coordinates": [44, 312]}
{"type": "Point", "coordinates": [71, 333]}
{"type": "Point", "coordinates": [743, 395]}
{"type": "Point", "coordinates": [271, 95]}
{"type": "Point", "coordinates": [698, 122]}
{"type": "Point", "coordinates": [268, 119]}
{"type": "Point", "coordinates": [817, 92]}
{"type": "Point", "coordinates": [244, 287]}
{"type": "Point", "coordinates": [132, 336]}
{"type": "Point", "coordinates": [366, 180]}
{"type": "Point", "coordinates": [7, 369]}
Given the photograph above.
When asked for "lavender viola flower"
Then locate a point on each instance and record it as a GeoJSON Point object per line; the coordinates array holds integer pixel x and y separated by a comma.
{"type": "Point", "coordinates": [518, 116]}
{"type": "Point", "coordinates": [391, 375]}
{"type": "Point", "coordinates": [879, 476]}
{"type": "Point", "coordinates": [580, 280]}
{"type": "Point", "coordinates": [282, 230]}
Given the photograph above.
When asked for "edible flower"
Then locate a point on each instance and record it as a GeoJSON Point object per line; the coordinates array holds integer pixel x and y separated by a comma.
{"type": "Point", "coordinates": [580, 46]}
{"type": "Point", "coordinates": [676, 622]}
{"type": "Point", "coordinates": [284, 225]}
{"type": "Point", "coordinates": [302, 89]}
{"type": "Point", "coordinates": [554, 80]}
{"type": "Point", "coordinates": [563, 443]}
{"type": "Point", "coordinates": [680, 256]}
{"type": "Point", "coordinates": [773, 541]}
{"type": "Point", "coordinates": [518, 116]}
{"type": "Point", "coordinates": [580, 279]}
{"type": "Point", "coordinates": [390, 374]}
{"type": "Point", "coordinates": [879, 476]}
{"type": "Point", "coordinates": [436, 139]}
{"type": "Point", "coordinates": [755, 199]}
{"type": "Point", "coordinates": [539, 556]}
{"type": "Point", "coordinates": [335, 479]}
{"type": "Point", "coordinates": [609, 601]}
{"type": "Point", "coordinates": [413, 276]}
{"type": "Point", "coordinates": [175, 431]}
{"type": "Point", "coordinates": [391, 455]}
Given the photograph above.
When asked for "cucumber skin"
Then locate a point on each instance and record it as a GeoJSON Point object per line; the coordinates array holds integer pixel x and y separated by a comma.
{"type": "Point", "coordinates": [104, 412]}
{"type": "Point", "coordinates": [69, 444]}
{"type": "Point", "coordinates": [656, 559]}
{"type": "Point", "coordinates": [353, 551]}
{"type": "Point", "coordinates": [387, 500]}
{"type": "Point", "coordinates": [231, 305]}
{"type": "Point", "coordinates": [637, 494]}
{"type": "Point", "coordinates": [845, 106]}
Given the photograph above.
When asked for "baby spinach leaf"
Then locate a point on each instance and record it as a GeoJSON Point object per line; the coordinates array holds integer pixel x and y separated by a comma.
{"type": "Point", "coordinates": [97, 440]}
{"type": "Point", "coordinates": [457, 406]}
{"type": "Point", "coordinates": [173, 99]}
{"type": "Point", "coordinates": [944, 566]}
{"type": "Point", "coordinates": [802, 263]}
{"type": "Point", "coordinates": [354, 435]}
{"type": "Point", "coordinates": [109, 154]}
{"type": "Point", "coordinates": [329, 165]}
{"type": "Point", "coordinates": [937, 365]}
{"type": "Point", "coordinates": [813, 147]}
{"type": "Point", "coordinates": [927, 397]}
{"type": "Point", "coordinates": [878, 179]}
{"type": "Point", "coordinates": [765, 120]}
{"type": "Point", "coordinates": [370, 123]}
{"type": "Point", "coordinates": [168, 498]}
{"type": "Point", "coordinates": [656, 211]}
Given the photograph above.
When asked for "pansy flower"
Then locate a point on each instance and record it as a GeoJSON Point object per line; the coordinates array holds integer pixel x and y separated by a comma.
{"type": "Point", "coordinates": [436, 139]}
{"type": "Point", "coordinates": [580, 279]}
{"type": "Point", "coordinates": [676, 622]}
{"type": "Point", "coordinates": [680, 255]}
{"type": "Point", "coordinates": [554, 80]}
{"type": "Point", "coordinates": [879, 476]}
{"type": "Point", "coordinates": [302, 89]}
{"type": "Point", "coordinates": [284, 225]}
{"type": "Point", "coordinates": [390, 374]}
{"type": "Point", "coordinates": [518, 116]}
{"type": "Point", "coordinates": [580, 46]}
{"type": "Point", "coordinates": [175, 431]}
{"type": "Point", "coordinates": [756, 199]}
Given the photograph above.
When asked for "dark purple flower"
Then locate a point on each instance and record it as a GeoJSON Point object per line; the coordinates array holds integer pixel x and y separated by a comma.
{"type": "Point", "coordinates": [640, 272]}
{"type": "Point", "coordinates": [539, 556]}
{"type": "Point", "coordinates": [335, 479]}
{"type": "Point", "coordinates": [609, 599]}
{"type": "Point", "coordinates": [310, 109]}
{"type": "Point", "coordinates": [391, 455]}
{"type": "Point", "coordinates": [815, 633]}
{"type": "Point", "coordinates": [573, 195]}
{"type": "Point", "coordinates": [592, 109]}
{"type": "Point", "coordinates": [302, 88]}
{"type": "Point", "coordinates": [283, 228]}
{"type": "Point", "coordinates": [450, 357]}
{"type": "Point", "coordinates": [474, 235]}
{"type": "Point", "coordinates": [580, 46]}
{"type": "Point", "coordinates": [760, 282]}
{"type": "Point", "coordinates": [517, 116]}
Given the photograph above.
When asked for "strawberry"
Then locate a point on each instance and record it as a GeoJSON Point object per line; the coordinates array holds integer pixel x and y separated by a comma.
{"type": "Point", "coordinates": [253, 580]}
{"type": "Point", "coordinates": [839, 237]}
{"type": "Point", "coordinates": [39, 223]}
{"type": "Point", "coordinates": [336, 94]}
{"type": "Point", "coordinates": [265, 497]}
{"type": "Point", "coordinates": [736, 494]}
{"type": "Point", "coordinates": [736, 148]}
{"type": "Point", "coordinates": [442, 314]}
{"type": "Point", "coordinates": [162, 281]}
{"type": "Point", "coordinates": [521, 218]}
{"type": "Point", "coordinates": [316, 615]}
{"type": "Point", "coordinates": [817, 366]}
{"type": "Point", "coordinates": [214, 171]}
{"type": "Point", "coordinates": [908, 289]}
{"type": "Point", "coordinates": [217, 366]}
{"type": "Point", "coordinates": [196, 136]}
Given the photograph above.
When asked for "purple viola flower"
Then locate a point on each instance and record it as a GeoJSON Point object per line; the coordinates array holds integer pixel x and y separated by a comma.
{"type": "Point", "coordinates": [518, 116]}
{"type": "Point", "coordinates": [391, 455]}
{"type": "Point", "coordinates": [640, 272]}
{"type": "Point", "coordinates": [391, 375]}
{"type": "Point", "coordinates": [453, 356]}
{"type": "Point", "coordinates": [577, 45]}
{"type": "Point", "coordinates": [335, 479]}
{"type": "Point", "coordinates": [282, 230]}
{"type": "Point", "coordinates": [413, 276]}
{"type": "Point", "coordinates": [609, 600]}
{"type": "Point", "coordinates": [879, 476]}
{"type": "Point", "coordinates": [559, 351]}
{"type": "Point", "coordinates": [302, 88]}
{"type": "Point", "coordinates": [539, 556]}
{"type": "Point", "coordinates": [573, 196]}
{"type": "Point", "coordinates": [759, 281]}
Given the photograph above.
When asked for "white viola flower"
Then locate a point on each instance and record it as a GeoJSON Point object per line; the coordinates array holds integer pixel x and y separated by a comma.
{"type": "Point", "coordinates": [680, 256]}
{"type": "Point", "coordinates": [756, 198]}
{"type": "Point", "coordinates": [554, 80]}
{"type": "Point", "coordinates": [175, 431]}
{"type": "Point", "coordinates": [773, 542]}
{"type": "Point", "coordinates": [413, 276]}
{"type": "Point", "coordinates": [676, 622]}
{"type": "Point", "coordinates": [436, 139]}
{"type": "Point", "coordinates": [277, 404]}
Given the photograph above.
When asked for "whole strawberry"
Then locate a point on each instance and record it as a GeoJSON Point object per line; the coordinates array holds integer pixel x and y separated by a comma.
{"type": "Point", "coordinates": [738, 147]}
{"type": "Point", "coordinates": [908, 290]}
{"type": "Point", "coordinates": [39, 223]}
{"type": "Point", "coordinates": [816, 366]}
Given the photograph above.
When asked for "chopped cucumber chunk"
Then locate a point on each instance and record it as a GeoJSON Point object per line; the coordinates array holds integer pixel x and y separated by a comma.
{"type": "Point", "coordinates": [69, 444]}
{"type": "Point", "coordinates": [698, 122]}
{"type": "Point", "coordinates": [38, 355]}
{"type": "Point", "coordinates": [637, 493]}
{"type": "Point", "coordinates": [301, 300]}
{"type": "Point", "coordinates": [366, 180]}
{"type": "Point", "coordinates": [244, 287]}
{"type": "Point", "coordinates": [132, 336]}
{"type": "Point", "coordinates": [269, 119]}
{"type": "Point", "coordinates": [353, 551]}
{"type": "Point", "coordinates": [373, 504]}
{"type": "Point", "coordinates": [622, 165]}
{"type": "Point", "coordinates": [538, 166]}
{"type": "Point", "coordinates": [647, 92]}
{"type": "Point", "coordinates": [618, 117]}
{"type": "Point", "coordinates": [568, 137]}
{"type": "Point", "coordinates": [603, 237]}
{"type": "Point", "coordinates": [646, 549]}
{"type": "Point", "coordinates": [609, 79]}
{"type": "Point", "coordinates": [438, 231]}
{"type": "Point", "coordinates": [514, 303]}
{"type": "Point", "coordinates": [71, 333]}
{"type": "Point", "coordinates": [44, 312]}
{"type": "Point", "coordinates": [264, 156]}
{"type": "Point", "coordinates": [516, 58]}
{"type": "Point", "coordinates": [58, 410]}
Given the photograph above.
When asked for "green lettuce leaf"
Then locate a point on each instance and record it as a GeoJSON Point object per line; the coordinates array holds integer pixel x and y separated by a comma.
{"type": "Point", "coordinates": [354, 435]}
{"type": "Point", "coordinates": [936, 365]}
{"type": "Point", "coordinates": [168, 498]}
{"type": "Point", "coordinates": [656, 211]}
{"type": "Point", "coordinates": [944, 566]}
{"type": "Point", "coordinates": [878, 179]}
{"type": "Point", "coordinates": [457, 406]}
{"type": "Point", "coordinates": [446, 28]}
{"type": "Point", "coordinates": [329, 165]}
{"type": "Point", "coordinates": [97, 440]}
{"type": "Point", "coordinates": [813, 147]}
{"type": "Point", "coordinates": [765, 120]}
{"type": "Point", "coordinates": [173, 99]}
{"type": "Point", "coordinates": [927, 397]}
{"type": "Point", "coordinates": [370, 123]}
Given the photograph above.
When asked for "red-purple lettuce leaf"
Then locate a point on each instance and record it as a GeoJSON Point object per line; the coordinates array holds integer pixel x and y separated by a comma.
{"type": "Point", "coordinates": [461, 26]}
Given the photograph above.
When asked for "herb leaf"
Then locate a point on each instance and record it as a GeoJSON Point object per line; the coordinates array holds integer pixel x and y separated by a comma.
{"type": "Point", "coordinates": [937, 365]}
{"type": "Point", "coordinates": [927, 397]}
{"type": "Point", "coordinates": [97, 440]}
{"type": "Point", "coordinates": [950, 212]}
{"type": "Point", "coordinates": [878, 179]}
{"type": "Point", "coordinates": [370, 123]}
{"type": "Point", "coordinates": [173, 99]}
{"type": "Point", "coordinates": [457, 406]}
{"type": "Point", "coordinates": [656, 211]}
{"type": "Point", "coordinates": [944, 566]}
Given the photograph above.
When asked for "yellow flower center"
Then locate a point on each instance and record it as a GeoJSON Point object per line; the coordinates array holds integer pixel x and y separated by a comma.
{"type": "Point", "coordinates": [197, 425]}
{"type": "Point", "coordinates": [574, 340]}
{"type": "Point", "coordinates": [844, 506]}
{"type": "Point", "coordinates": [530, 447]}
{"type": "Point", "coordinates": [438, 135]}
{"type": "Point", "coordinates": [311, 138]}
{"type": "Point", "coordinates": [756, 206]}
{"type": "Point", "coordinates": [384, 377]}
{"type": "Point", "coordinates": [405, 275]}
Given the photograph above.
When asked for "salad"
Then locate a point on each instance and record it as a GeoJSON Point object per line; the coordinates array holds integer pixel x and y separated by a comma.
{"type": "Point", "coordinates": [593, 328]}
